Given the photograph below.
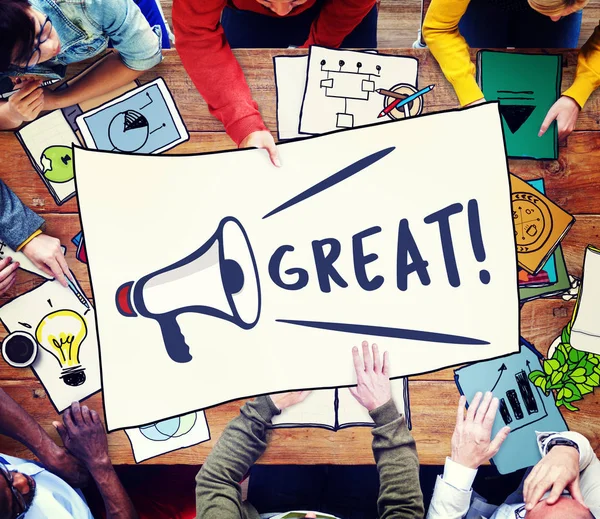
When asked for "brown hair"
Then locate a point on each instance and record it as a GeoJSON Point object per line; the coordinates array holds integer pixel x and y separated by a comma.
{"type": "Point", "coordinates": [556, 7]}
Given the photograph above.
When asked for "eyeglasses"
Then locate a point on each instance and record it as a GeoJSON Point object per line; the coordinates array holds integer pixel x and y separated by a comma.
{"type": "Point", "coordinates": [7, 474]}
{"type": "Point", "coordinates": [42, 37]}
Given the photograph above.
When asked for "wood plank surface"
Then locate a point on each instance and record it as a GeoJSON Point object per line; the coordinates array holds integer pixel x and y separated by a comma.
{"type": "Point", "coordinates": [573, 181]}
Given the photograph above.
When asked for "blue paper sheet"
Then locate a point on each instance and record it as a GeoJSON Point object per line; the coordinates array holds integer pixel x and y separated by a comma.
{"type": "Point", "coordinates": [523, 407]}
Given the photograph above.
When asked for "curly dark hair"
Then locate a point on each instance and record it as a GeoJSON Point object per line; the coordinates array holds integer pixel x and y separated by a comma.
{"type": "Point", "coordinates": [17, 32]}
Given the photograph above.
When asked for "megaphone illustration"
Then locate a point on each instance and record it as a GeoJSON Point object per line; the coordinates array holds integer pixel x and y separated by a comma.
{"type": "Point", "coordinates": [220, 279]}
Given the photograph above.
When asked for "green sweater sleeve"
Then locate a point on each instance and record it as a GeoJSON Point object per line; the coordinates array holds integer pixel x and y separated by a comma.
{"type": "Point", "coordinates": [218, 490]}
{"type": "Point", "coordinates": [400, 495]}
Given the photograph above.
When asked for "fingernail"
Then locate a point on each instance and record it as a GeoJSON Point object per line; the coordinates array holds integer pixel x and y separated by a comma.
{"type": "Point", "coordinates": [278, 163]}
{"type": "Point", "coordinates": [354, 348]}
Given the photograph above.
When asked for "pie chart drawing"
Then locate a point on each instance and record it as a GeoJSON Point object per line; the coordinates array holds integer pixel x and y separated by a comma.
{"type": "Point", "coordinates": [169, 428]}
{"type": "Point", "coordinates": [128, 131]}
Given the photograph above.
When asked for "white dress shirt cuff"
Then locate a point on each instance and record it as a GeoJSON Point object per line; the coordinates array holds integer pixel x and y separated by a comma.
{"type": "Point", "coordinates": [459, 476]}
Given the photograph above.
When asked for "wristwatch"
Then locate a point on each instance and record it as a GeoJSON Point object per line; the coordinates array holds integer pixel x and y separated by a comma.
{"type": "Point", "coordinates": [561, 441]}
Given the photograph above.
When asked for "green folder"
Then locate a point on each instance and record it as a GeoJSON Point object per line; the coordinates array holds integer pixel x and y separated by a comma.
{"type": "Point", "coordinates": [526, 86]}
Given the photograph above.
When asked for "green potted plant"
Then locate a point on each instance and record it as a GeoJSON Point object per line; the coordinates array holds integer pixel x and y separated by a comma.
{"type": "Point", "coordinates": [570, 373]}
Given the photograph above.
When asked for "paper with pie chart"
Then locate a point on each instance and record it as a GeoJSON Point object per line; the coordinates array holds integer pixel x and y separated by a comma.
{"type": "Point", "coordinates": [144, 120]}
{"type": "Point", "coordinates": [168, 435]}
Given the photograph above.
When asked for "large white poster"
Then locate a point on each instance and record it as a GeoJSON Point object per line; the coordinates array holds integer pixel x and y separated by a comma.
{"type": "Point", "coordinates": [219, 276]}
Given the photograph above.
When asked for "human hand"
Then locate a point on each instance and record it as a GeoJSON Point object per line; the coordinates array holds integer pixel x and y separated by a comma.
{"type": "Point", "coordinates": [284, 400]}
{"type": "Point", "coordinates": [83, 436]}
{"type": "Point", "coordinates": [27, 103]}
{"type": "Point", "coordinates": [472, 443]}
{"type": "Point", "coordinates": [45, 253]}
{"type": "Point", "coordinates": [565, 111]}
{"type": "Point", "coordinates": [557, 470]}
{"type": "Point", "coordinates": [373, 388]}
{"type": "Point", "coordinates": [8, 274]}
{"type": "Point", "coordinates": [263, 140]}
{"type": "Point", "coordinates": [60, 462]}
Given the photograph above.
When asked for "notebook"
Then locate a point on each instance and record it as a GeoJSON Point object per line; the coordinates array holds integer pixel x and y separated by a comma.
{"type": "Point", "coordinates": [547, 274]}
{"type": "Point", "coordinates": [526, 86]}
{"type": "Point", "coordinates": [539, 223]}
{"type": "Point", "coordinates": [336, 409]}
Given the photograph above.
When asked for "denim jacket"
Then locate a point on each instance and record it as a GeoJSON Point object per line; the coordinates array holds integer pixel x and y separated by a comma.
{"type": "Point", "coordinates": [86, 26]}
{"type": "Point", "coordinates": [17, 221]}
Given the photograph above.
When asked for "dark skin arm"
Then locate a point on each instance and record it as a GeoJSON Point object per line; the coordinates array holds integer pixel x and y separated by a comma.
{"type": "Point", "coordinates": [83, 434]}
{"type": "Point", "coordinates": [17, 424]}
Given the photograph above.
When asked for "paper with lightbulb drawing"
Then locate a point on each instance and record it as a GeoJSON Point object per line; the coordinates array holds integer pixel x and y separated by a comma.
{"type": "Point", "coordinates": [384, 233]}
{"type": "Point", "coordinates": [67, 363]}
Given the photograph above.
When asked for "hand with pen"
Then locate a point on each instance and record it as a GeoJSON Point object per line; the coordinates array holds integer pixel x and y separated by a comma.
{"type": "Point", "coordinates": [46, 254]}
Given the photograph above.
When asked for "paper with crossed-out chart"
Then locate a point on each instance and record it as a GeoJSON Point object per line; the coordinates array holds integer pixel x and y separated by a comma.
{"type": "Point", "coordinates": [384, 233]}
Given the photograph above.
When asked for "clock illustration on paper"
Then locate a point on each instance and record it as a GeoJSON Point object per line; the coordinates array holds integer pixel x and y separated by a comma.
{"type": "Point", "coordinates": [532, 220]}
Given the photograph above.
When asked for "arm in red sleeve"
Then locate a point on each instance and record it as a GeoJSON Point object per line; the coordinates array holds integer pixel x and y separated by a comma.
{"type": "Point", "coordinates": [211, 65]}
{"type": "Point", "coordinates": [337, 19]}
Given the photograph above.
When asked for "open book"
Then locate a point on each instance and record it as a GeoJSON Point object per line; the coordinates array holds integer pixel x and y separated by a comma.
{"type": "Point", "coordinates": [336, 409]}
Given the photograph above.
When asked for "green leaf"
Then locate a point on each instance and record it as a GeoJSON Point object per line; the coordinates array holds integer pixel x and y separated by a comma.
{"type": "Point", "coordinates": [575, 355]}
{"type": "Point", "coordinates": [565, 336]}
{"type": "Point", "coordinates": [560, 357]}
{"type": "Point", "coordinates": [543, 385]}
{"type": "Point", "coordinates": [585, 389]}
{"type": "Point", "coordinates": [534, 375]}
{"type": "Point", "coordinates": [594, 359]}
{"type": "Point", "coordinates": [561, 394]}
{"type": "Point", "coordinates": [550, 365]}
{"type": "Point", "coordinates": [572, 388]}
{"type": "Point", "coordinates": [571, 407]}
{"type": "Point", "coordinates": [578, 375]}
{"type": "Point", "coordinates": [559, 403]}
{"type": "Point", "coordinates": [593, 380]}
{"type": "Point", "coordinates": [556, 377]}
{"type": "Point", "coordinates": [565, 368]}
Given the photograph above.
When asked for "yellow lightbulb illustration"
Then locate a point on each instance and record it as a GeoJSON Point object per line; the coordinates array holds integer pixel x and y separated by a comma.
{"type": "Point", "coordinates": [61, 334]}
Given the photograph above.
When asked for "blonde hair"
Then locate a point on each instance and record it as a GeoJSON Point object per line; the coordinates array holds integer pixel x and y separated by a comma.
{"type": "Point", "coordinates": [556, 7]}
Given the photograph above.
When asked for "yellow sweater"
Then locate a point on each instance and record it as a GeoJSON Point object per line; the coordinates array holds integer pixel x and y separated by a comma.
{"type": "Point", "coordinates": [440, 30]}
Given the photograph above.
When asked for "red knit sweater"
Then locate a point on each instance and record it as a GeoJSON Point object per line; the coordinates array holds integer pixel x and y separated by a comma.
{"type": "Point", "coordinates": [208, 59]}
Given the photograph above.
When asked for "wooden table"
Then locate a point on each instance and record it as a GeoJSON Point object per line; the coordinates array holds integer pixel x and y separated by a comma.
{"type": "Point", "coordinates": [572, 181]}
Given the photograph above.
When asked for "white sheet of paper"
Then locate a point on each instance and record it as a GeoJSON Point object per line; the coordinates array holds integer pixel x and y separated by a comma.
{"type": "Point", "coordinates": [585, 332]}
{"type": "Point", "coordinates": [318, 408]}
{"type": "Point", "coordinates": [290, 80]}
{"type": "Point", "coordinates": [24, 262]}
{"type": "Point", "coordinates": [43, 133]}
{"type": "Point", "coordinates": [418, 167]}
{"type": "Point", "coordinates": [25, 313]}
{"type": "Point", "coordinates": [168, 435]}
{"type": "Point", "coordinates": [350, 100]}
